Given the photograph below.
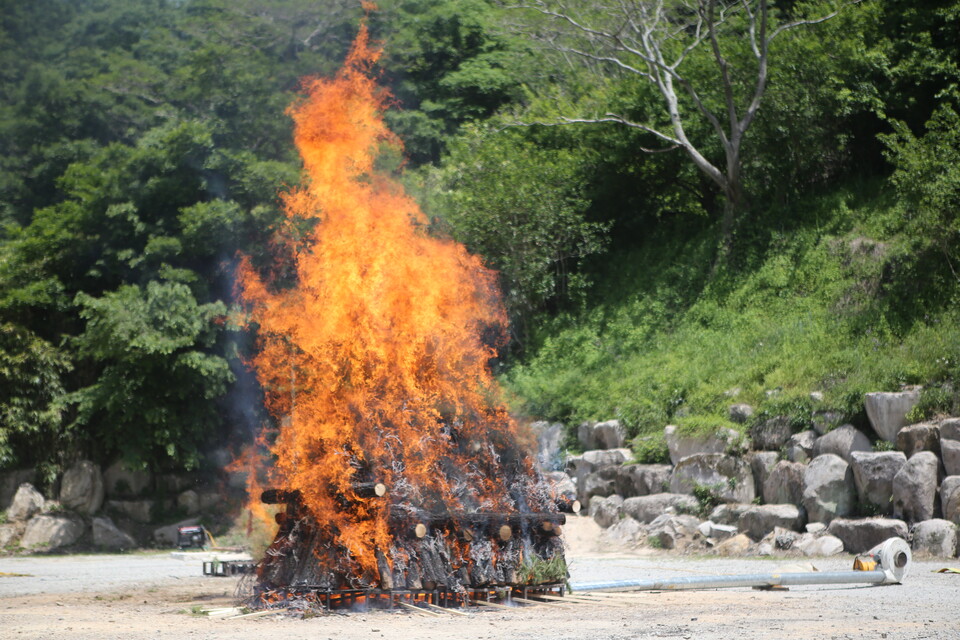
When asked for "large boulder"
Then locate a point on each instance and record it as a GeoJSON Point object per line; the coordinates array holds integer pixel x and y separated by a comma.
{"type": "Point", "coordinates": [729, 513]}
{"type": "Point", "coordinates": [10, 482]}
{"type": "Point", "coordinates": [825, 421]}
{"type": "Point", "coordinates": [762, 519]}
{"type": "Point", "coordinates": [600, 458]}
{"type": "Point", "coordinates": [606, 512]}
{"type": "Point", "coordinates": [729, 478]}
{"type": "Point", "coordinates": [888, 411]}
{"type": "Point", "coordinates": [27, 502]}
{"type": "Point", "coordinates": [950, 445]}
{"type": "Point", "coordinates": [9, 534]}
{"type": "Point", "coordinates": [935, 537]}
{"type": "Point", "coordinates": [950, 498]}
{"type": "Point", "coordinates": [81, 488]}
{"type": "Point", "coordinates": [671, 531]}
{"type": "Point", "coordinates": [601, 435]}
{"type": "Point", "coordinates": [842, 441]}
{"type": "Point", "coordinates": [828, 489]}
{"type": "Point", "coordinates": [120, 481]}
{"type": "Point", "coordinates": [51, 532]}
{"type": "Point", "coordinates": [799, 447]}
{"type": "Point", "coordinates": [923, 436]}
{"type": "Point", "coordinates": [138, 510]}
{"type": "Point", "coordinates": [626, 532]}
{"type": "Point", "coordinates": [862, 535]}
{"type": "Point", "coordinates": [771, 434]}
{"type": "Point", "coordinates": [642, 479]}
{"type": "Point", "coordinates": [549, 444]}
{"type": "Point", "coordinates": [915, 488]}
{"type": "Point", "coordinates": [602, 482]}
{"type": "Point", "coordinates": [681, 445]}
{"type": "Point", "coordinates": [738, 545]}
{"type": "Point", "coordinates": [784, 484]}
{"type": "Point", "coordinates": [739, 413]}
{"type": "Point", "coordinates": [873, 473]}
{"type": "Point", "coordinates": [821, 546]}
{"type": "Point", "coordinates": [645, 509]}
{"type": "Point", "coordinates": [106, 535]}
{"type": "Point", "coordinates": [761, 463]}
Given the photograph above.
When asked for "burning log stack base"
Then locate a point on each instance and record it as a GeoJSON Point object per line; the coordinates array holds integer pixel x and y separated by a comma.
{"type": "Point", "coordinates": [441, 559]}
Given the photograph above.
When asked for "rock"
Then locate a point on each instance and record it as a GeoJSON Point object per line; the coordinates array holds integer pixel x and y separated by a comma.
{"type": "Point", "coordinates": [862, 535]}
{"type": "Point", "coordinates": [888, 411]}
{"type": "Point", "coordinates": [826, 421]}
{"type": "Point", "coordinates": [828, 489]}
{"type": "Point", "coordinates": [762, 519]}
{"type": "Point", "coordinates": [626, 532]}
{"type": "Point", "coordinates": [81, 488]}
{"type": "Point", "coordinates": [761, 462]}
{"type": "Point", "coordinates": [107, 536]}
{"type": "Point", "coordinates": [26, 503]}
{"type": "Point", "coordinates": [599, 483]}
{"type": "Point", "coordinates": [740, 413]}
{"type": "Point", "coordinates": [815, 527]}
{"type": "Point", "coordinates": [549, 444]}
{"type": "Point", "coordinates": [799, 447]}
{"type": "Point", "coordinates": [765, 548]}
{"type": "Point", "coordinates": [10, 482]}
{"type": "Point", "coordinates": [600, 458]}
{"type": "Point", "coordinates": [642, 479]}
{"type": "Point", "coordinates": [784, 485]}
{"type": "Point", "coordinates": [730, 513]}
{"type": "Point", "coordinates": [670, 531]}
{"type": "Point", "coordinates": [738, 545]}
{"type": "Point", "coordinates": [822, 546]}
{"type": "Point", "coordinates": [950, 498]}
{"type": "Point", "coordinates": [189, 502]}
{"type": "Point", "coordinates": [842, 441]}
{"type": "Point", "coordinates": [950, 445]}
{"type": "Point", "coordinates": [935, 537]}
{"type": "Point", "coordinates": [138, 510]}
{"type": "Point", "coordinates": [166, 536]}
{"type": "Point", "coordinates": [816, 396]}
{"type": "Point", "coordinates": [8, 535]}
{"type": "Point", "coordinates": [771, 434]}
{"type": "Point", "coordinates": [781, 539]}
{"type": "Point", "coordinates": [601, 435]}
{"type": "Point", "coordinates": [175, 483]}
{"type": "Point", "coordinates": [120, 481]}
{"type": "Point", "coordinates": [645, 509]}
{"type": "Point", "coordinates": [915, 488]}
{"type": "Point", "coordinates": [914, 438]}
{"type": "Point", "coordinates": [606, 512]}
{"type": "Point", "coordinates": [717, 532]}
{"type": "Point", "coordinates": [729, 478]}
{"type": "Point", "coordinates": [873, 473]}
{"type": "Point", "coordinates": [51, 532]}
{"type": "Point", "coordinates": [682, 445]}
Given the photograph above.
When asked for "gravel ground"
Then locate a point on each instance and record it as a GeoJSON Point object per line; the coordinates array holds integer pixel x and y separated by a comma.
{"type": "Point", "coordinates": [155, 596]}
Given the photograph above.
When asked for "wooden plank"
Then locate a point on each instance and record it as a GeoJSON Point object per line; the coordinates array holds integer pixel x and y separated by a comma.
{"type": "Point", "coordinates": [420, 610]}
{"type": "Point", "coordinates": [485, 603]}
{"type": "Point", "coordinates": [536, 603]}
{"type": "Point", "coordinates": [455, 612]}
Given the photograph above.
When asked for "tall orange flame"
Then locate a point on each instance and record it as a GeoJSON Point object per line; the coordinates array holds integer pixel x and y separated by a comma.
{"type": "Point", "coordinates": [376, 362]}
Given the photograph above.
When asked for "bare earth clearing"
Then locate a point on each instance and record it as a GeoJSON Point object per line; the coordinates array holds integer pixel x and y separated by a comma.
{"type": "Point", "coordinates": [152, 595]}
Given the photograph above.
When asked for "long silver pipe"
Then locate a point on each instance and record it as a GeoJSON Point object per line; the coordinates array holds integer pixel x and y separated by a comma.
{"type": "Point", "coordinates": [743, 580]}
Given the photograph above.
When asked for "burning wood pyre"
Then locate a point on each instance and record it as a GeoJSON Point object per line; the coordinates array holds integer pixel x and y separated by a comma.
{"type": "Point", "coordinates": [399, 464]}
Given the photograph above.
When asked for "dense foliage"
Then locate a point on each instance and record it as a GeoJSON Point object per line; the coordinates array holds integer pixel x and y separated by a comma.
{"type": "Point", "coordinates": [143, 144]}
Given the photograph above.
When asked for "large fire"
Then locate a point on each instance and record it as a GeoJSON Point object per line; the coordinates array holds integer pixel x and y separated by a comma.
{"type": "Point", "coordinates": [376, 361]}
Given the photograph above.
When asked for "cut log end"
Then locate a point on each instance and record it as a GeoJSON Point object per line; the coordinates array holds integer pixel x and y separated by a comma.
{"type": "Point", "coordinates": [575, 506]}
{"type": "Point", "coordinates": [420, 530]}
{"type": "Point", "coordinates": [506, 532]}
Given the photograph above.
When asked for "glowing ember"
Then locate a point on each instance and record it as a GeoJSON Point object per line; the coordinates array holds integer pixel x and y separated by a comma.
{"type": "Point", "coordinates": [376, 365]}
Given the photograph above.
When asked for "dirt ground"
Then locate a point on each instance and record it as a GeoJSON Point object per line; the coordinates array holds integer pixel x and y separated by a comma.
{"type": "Point", "coordinates": [927, 605]}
